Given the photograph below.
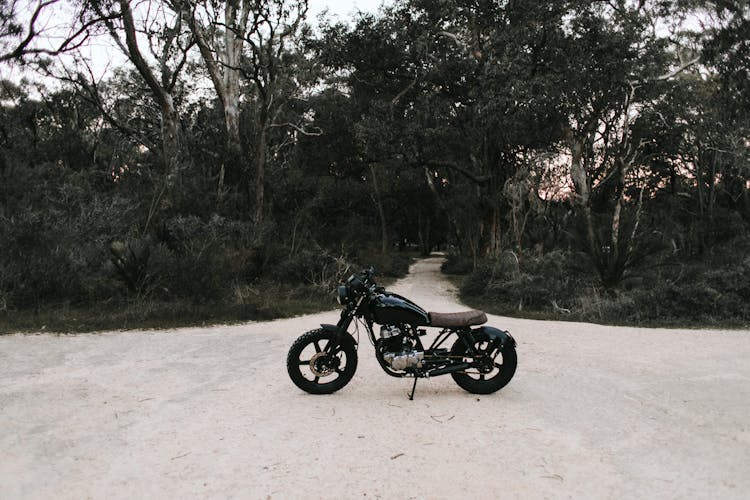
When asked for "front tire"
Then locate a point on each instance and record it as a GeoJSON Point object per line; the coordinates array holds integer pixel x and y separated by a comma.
{"type": "Point", "coordinates": [317, 372]}
{"type": "Point", "coordinates": [491, 370]}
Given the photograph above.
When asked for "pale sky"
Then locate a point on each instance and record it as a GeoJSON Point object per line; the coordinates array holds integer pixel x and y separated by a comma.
{"type": "Point", "coordinates": [103, 55]}
{"type": "Point", "coordinates": [342, 9]}
{"type": "Point", "coordinates": [339, 9]}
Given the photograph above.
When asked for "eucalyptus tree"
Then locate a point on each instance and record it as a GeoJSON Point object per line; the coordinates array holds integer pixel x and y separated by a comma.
{"type": "Point", "coordinates": [616, 69]}
{"type": "Point", "coordinates": [168, 43]}
{"type": "Point", "coordinates": [647, 109]}
{"type": "Point", "coordinates": [33, 29]}
{"type": "Point", "coordinates": [461, 91]}
{"type": "Point", "coordinates": [382, 61]}
{"type": "Point", "coordinates": [220, 28]}
{"type": "Point", "coordinates": [509, 101]}
{"type": "Point", "coordinates": [727, 53]}
{"type": "Point", "coordinates": [274, 69]}
{"type": "Point", "coordinates": [251, 41]}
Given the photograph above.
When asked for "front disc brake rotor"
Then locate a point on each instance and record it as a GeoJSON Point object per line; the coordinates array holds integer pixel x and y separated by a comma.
{"type": "Point", "coordinates": [322, 365]}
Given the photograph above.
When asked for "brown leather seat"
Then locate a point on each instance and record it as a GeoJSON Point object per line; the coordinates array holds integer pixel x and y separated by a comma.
{"type": "Point", "coordinates": [459, 319]}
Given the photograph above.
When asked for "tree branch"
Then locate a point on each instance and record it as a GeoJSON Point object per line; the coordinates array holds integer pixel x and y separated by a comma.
{"type": "Point", "coordinates": [214, 70]}
{"type": "Point", "coordinates": [315, 133]}
{"type": "Point", "coordinates": [678, 70]}
{"type": "Point", "coordinates": [477, 179]}
{"type": "Point", "coordinates": [71, 42]}
{"type": "Point", "coordinates": [455, 38]}
{"type": "Point", "coordinates": [406, 89]}
{"type": "Point", "coordinates": [90, 92]}
{"type": "Point", "coordinates": [134, 53]}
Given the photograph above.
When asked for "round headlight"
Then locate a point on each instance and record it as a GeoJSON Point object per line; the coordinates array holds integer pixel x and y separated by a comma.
{"type": "Point", "coordinates": [356, 283]}
{"type": "Point", "coordinates": [342, 295]}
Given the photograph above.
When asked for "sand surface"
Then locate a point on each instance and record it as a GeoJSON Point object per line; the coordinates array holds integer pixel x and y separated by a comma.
{"type": "Point", "coordinates": [593, 412]}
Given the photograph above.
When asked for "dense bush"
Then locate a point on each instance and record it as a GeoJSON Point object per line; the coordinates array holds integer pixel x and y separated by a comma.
{"type": "Point", "coordinates": [105, 207]}
{"type": "Point", "coordinates": [457, 264]}
{"type": "Point", "coordinates": [311, 267]}
{"type": "Point", "coordinates": [324, 270]}
{"type": "Point", "coordinates": [558, 285]}
{"type": "Point", "coordinates": [389, 265]}
{"type": "Point", "coordinates": [546, 282]}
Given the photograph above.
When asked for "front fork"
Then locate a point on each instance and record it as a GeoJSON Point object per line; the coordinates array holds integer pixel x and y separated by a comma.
{"type": "Point", "coordinates": [340, 331]}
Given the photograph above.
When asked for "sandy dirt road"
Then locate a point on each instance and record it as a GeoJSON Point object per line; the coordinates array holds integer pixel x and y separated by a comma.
{"type": "Point", "coordinates": [593, 412]}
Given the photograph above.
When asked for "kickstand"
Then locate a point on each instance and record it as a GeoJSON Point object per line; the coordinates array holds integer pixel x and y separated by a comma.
{"type": "Point", "coordinates": [413, 388]}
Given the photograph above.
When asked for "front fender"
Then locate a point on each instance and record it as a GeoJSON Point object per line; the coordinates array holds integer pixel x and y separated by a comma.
{"type": "Point", "coordinates": [341, 336]}
{"type": "Point", "coordinates": [502, 337]}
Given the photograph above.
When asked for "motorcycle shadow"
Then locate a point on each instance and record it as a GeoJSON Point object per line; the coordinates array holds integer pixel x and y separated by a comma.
{"type": "Point", "coordinates": [426, 390]}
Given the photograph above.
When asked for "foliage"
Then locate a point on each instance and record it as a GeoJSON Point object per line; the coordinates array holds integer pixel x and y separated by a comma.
{"type": "Point", "coordinates": [714, 292]}
{"type": "Point", "coordinates": [457, 264]}
{"type": "Point", "coordinates": [570, 156]}
{"type": "Point", "coordinates": [547, 281]}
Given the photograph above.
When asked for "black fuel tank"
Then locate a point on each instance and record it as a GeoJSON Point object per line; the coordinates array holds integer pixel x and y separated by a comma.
{"type": "Point", "coordinates": [391, 309]}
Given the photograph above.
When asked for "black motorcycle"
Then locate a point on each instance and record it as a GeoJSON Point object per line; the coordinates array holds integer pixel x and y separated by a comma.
{"type": "Point", "coordinates": [481, 360]}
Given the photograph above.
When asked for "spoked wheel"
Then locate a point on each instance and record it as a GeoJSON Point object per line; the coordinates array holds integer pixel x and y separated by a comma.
{"type": "Point", "coordinates": [491, 369]}
{"type": "Point", "coordinates": [314, 370]}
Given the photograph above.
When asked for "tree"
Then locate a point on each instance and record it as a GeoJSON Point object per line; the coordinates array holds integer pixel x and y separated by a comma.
{"type": "Point", "coordinates": [39, 36]}
{"type": "Point", "coordinates": [462, 93]}
{"type": "Point", "coordinates": [726, 52]}
{"type": "Point", "coordinates": [169, 45]}
{"type": "Point", "coordinates": [220, 36]}
{"type": "Point", "coordinates": [269, 69]}
{"type": "Point", "coordinates": [615, 66]}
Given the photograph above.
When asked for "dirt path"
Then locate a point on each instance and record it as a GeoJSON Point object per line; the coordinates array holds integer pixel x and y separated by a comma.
{"type": "Point", "coordinates": [593, 412]}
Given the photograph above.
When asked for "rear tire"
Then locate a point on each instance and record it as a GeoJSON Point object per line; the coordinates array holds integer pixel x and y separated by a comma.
{"type": "Point", "coordinates": [316, 372]}
{"type": "Point", "coordinates": [498, 365]}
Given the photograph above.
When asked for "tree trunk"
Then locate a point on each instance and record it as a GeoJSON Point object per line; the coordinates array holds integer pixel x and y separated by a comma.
{"type": "Point", "coordinates": [230, 88]}
{"type": "Point", "coordinates": [616, 215]}
{"type": "Point", "coordinates": [443, 207]}
{"type": "Point", "coordinates": [581, 184]}
{"type": "Point", "coordinates": [701, 205]}
{"type": "Point", "coordinates": [232, 167]}
{"type": "Point", "coordinates": [425, 243]}
{"type": "Point", "coordinates": [495, 238]}
{"type": "Point", "coordinates": [223, 61]}
{"type": "Point", "coordinates": [232, 121]}
{"type": "Point", "coordinates": [170, 131]}
{"type": "Point", "coordinates": [260, 169]}
{"type": "Point", "coordinates": [381, 212]}
{"type": "Point", "coordinates": [170, 123]}
{"type": "Point", "coordinates": [712, 190]}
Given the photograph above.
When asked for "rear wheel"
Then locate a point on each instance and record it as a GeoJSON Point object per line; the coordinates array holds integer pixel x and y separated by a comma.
{"type": "Point", "coordinates": [492, 367]}
{"type": "Point", "coordinates": [314, 370]}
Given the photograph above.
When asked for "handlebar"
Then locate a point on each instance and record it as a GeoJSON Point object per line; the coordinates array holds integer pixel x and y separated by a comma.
{"type": "Point", "coordinates": [372, 286]}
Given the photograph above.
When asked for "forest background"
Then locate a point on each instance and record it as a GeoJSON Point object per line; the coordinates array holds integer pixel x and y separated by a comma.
{"type": "Point", "coordinates": [583, 160]}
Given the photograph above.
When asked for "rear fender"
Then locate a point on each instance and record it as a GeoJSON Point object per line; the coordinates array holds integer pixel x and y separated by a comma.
{"type": "Point", "coordinates": [499, 337]}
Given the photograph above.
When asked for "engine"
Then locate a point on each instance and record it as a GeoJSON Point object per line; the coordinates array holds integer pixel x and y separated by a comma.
{"type": "Point", "coordinates": [398, 350]}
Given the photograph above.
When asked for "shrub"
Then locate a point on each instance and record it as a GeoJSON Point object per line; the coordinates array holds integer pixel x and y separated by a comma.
{"type": "Point", "coordinates": [388, 265]}
{"type": "Point", "coordinates": [457, 264]}
{"type": "Point", "coordinates": [311, 267]}
{"type": "Point", "coordinates": [477, 282]}
{"type": "Point", "coordinates": [544, 282]}
{"type": "Point", "coordinates": [560, 284]}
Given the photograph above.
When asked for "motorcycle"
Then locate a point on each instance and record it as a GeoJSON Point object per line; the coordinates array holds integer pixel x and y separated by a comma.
{"type": "Point", "coordinates": [481, 360]}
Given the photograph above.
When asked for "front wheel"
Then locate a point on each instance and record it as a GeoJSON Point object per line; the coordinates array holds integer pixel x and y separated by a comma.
{"type": "Point", "coordinates": [314, 370]}
{"type": "Point", "coordinates": [491, 368]}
